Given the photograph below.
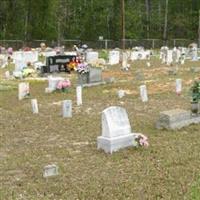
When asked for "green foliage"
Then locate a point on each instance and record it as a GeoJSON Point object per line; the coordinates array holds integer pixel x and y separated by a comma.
{"type": "Point", "coordinates": [86, 20]}
{"type": "Point", "coordinates": [196, 91]}
{"type": "Point", "coordinates": [103, 54]}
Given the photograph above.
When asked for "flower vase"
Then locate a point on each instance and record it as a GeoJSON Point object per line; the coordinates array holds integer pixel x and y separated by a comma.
{"type": "Point", "coordinates": [195, 107]}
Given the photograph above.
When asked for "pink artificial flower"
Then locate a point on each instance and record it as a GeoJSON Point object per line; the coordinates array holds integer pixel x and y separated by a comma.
{"type": "Point", "coordinates": [142, 139]}
{"type": "Point", "coordinates": [10, 50]}
{"type": "Point", "coordinates": [66, 84]}
{"type": "Point", "coordinates": [59, 85]}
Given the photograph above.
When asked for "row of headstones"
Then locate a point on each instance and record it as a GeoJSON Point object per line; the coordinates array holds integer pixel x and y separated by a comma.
{"type": "Point", "coordinates": [23, 92]}
{"type": "Point", "coordinates": [144, 94]}
{"type": "Point", "coordinates": [67, 104]}
{"type": "Point", "coordinates": [171, 56]}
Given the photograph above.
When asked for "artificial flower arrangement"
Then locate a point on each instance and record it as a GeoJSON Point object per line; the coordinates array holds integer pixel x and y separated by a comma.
{"type": "Point", "coordinates": [63, 85]}
{"type": "Point", "coordinates": [141, 140]}
{"type": "Point", "coordinates": [82, 68]}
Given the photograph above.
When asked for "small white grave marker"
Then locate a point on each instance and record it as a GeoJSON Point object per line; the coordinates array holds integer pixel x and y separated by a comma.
{"type": "Point", "coordinates": [143, 93]}
{"type": "Point", "coordinates": [121, 93]}
{"type": "Point", "coordinates": [79, 95]}
{"type": "Point", "coordinates": [178, 86]}
{"type": "Point", "coordinates": [23, 90]}
{"type": "Point", "coordinates": [50, 170]}
{"type": "Point", "coordinates": [148, 64]}
{"type": "Point", "coordinates": [34, 106]}
{"type": "Point", "coordinates": [67, 108]}
{"type": "Point", "coordinates": [7, 74]}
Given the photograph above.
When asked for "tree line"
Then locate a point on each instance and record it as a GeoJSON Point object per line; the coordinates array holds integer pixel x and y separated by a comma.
{"type": "Point", "coordinates": [88, 19]}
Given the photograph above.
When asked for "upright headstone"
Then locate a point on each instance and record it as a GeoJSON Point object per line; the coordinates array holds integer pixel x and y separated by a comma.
{"type": "Point", "coordinates": [92, 56]}
{"type": "Point", "coordinates": [23, 90]}
{"type": "Point", "coordinates": [114, 57]}
{"type": "Point", "coordinates": [169, 57]}
{"type": "Point", "coordinates": [34, 105]}
{"type": "Point", "coordinates": [79, 95]}
{"type": "Point", "coordinates": [95, 75]}
{"type": "Point", "coordinates": [53, 81]}
{"type": "Point", "coordinates": [7, 74]}
{"type": "Point", "coordinates": [19, 65]}
{"type": "Point", "coordinates": [178, 86]}
{"type": "Point", "coordinates": [67, 108]}
{"type": "Point", "coordinates": [116, 130]}
{"type": "Point", "coordinates": [143, 93]}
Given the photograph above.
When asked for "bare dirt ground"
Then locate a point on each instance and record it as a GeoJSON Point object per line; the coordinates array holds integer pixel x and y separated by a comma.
{"type": "Point", "coordinates": [165, 170]}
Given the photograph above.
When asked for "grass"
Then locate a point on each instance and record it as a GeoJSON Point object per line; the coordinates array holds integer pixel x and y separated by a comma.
{"type": "Point", "coordinates": [168, 169]}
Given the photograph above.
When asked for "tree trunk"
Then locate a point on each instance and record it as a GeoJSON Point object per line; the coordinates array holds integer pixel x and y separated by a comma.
{"type": "Point", "coordinates": [199, 30]}
{"type": "Point", "coordinates": [166, 23]}
{"type": "Point", "coordinates": [122, 24]}
{"type": "Point", "coordinates": [147, 3]}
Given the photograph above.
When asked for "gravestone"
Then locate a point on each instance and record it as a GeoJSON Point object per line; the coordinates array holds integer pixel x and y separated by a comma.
{"type": "Point", "coordinates": [92, 56]}
{"type": "Point", "coordinates": [79, 95]}
{"type": "Point", "coordinates": [124, 61]}
{"type": "Point", "coordinates": [121, 93]}
{"type": "Point", "coordinates": [30, 56]}
{"type": "Point", "coordinates": [178, 86]}
{"type": "Point", "coordinates": [50, 170]}
{"type": "Point", "coordinates": [7, 74]}
{"type": "Point", "coordinates": [23, 90]}
{"type": "Point", "coordinates": [116, 130]}
{"type": "Point", "coordinates": [143, 93]}
{"type": "Point", "coordinates": [49, 53]}
{"type": "Point", "coordinates": [114, 57]}
{"type": "Point", "coordinates": [67, 108]}
{"type": "Point", "coordinates": [173, 71]}
{"type": "Point", "coordinates": [169, 57]}
{"type": "Point", "coordinates": [95, 75]}
{"type": "Point", "coordinates": [53, 81]}
{"type": "Point", "coordinates": [148, 64]}
{"type": "Point", "coordinates": [176, 119]}
{"type": "Point", "coordinates": [195, 69]}
{"type": "Point", "coordinates": [34, 105]}
{"type": "Point", "coordinates": [20, 65]}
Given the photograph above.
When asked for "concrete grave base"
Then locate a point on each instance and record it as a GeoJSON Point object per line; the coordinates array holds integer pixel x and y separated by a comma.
{"type": "Point", "coordinates": [113, 144]}
{"type": "Point", "coordinates": [176, 119]}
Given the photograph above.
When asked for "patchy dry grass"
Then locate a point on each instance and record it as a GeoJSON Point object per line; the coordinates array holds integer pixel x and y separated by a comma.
{"type": "Point", "coordinates": [166, 170]}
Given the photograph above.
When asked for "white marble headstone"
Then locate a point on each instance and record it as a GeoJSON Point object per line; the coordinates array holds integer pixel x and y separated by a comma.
{"type": "Point", "coordinates": [114, 57]}
{"type": "Point", "coordinates": [53, 81]}
{"type": "Point", "coordinates": [143, 93]}
{"type": "Point", "coordinates": [169, 57]}
{"type": "Point", "coordinates": [20, 65]}
{"type": "Point", "coordinates": [23, 90]}
{"type": "Point", "coordinates": [34, 105]}
{"type": "Point", "coordinates": [30, 56]}
{"type": "Point", "coordinates": [92, 56]}
{"type": "Point", "coordinates": [178, 86]}
{"type": "Point", "coordinates": [115, 122]}
{"type": "Point", "coordinates": [116, 130]}
{"type": "Point", "coordinates": [67, 108]}
{"type": "Point", "coordinates": [79, 95]}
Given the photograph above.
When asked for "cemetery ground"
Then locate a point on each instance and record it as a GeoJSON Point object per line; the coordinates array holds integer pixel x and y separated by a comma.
{"type": "Point", "coordinates": [167, 169]}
